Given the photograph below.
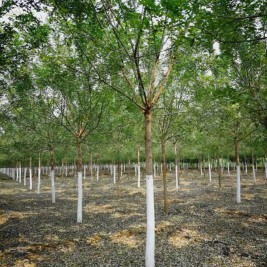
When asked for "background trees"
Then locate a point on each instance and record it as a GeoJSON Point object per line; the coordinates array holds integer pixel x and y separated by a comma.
{"type": "Point", "coordinates": [81, 73]}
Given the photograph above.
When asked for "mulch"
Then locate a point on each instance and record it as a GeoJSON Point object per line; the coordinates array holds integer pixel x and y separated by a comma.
{"type": "Point", "coordinates": [204, 227]}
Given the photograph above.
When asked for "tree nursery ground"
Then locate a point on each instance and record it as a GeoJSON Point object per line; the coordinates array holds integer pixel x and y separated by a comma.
{"type": "Point", "coordinates": [204, 227]}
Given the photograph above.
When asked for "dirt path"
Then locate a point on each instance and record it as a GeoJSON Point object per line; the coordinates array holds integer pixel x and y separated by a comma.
{"type": "Point", "coordinates": [205, 227]}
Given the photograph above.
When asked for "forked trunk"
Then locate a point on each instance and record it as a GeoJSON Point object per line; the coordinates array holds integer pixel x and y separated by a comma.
{"type": "Point", "coordinates": [150, 230]}
{"type": "Point", "coordinates": [164, 176]}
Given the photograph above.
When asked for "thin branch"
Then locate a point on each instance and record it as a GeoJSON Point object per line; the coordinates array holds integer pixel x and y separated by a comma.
{"type": "Point", "coordinates": [162, 84]}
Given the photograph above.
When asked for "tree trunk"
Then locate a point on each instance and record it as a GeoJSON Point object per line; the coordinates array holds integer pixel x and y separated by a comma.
{"type": "Point", "coordinates": [209, 172]}
{"type": "Point", "coordinates": [79, 164]}
{"type": "Point", "coordinates": [138, 169]}
{"type": "Point", "coordinates": [52, 174]}
{"type": "Point", "coordinates": [97, 172]}
{"type": "Point", "coordinates": [200, 167]}
{"type": "Point", "coordinates": [39, 176]}
{"type": "Point", "coordinates": [84, 172]}
{"type": "Point", "coordinates": [253, 169]}
{"type": "Point", "coordinates": [164, 176]}
{"type": "Point", "coordinates": [219, 170]}
{"type": "Point", "coordinates": [228, 168]}
{"type": "Point", "coordinates": [204, 168]}
{"type": "Point", "coordinates": [17, 172]}
{"type": "Point", "coordinates": [150, 231]}
{"type": "Point", "coordinates": [176, 168]}
{"type": "Point", "coordinates": [119, 175]}
{"type": "Point", "coordinates": [238, 185]}
{"type": "Point", "coordinates": [30, 170]}
{"type": "Point", "coordinates": [91, 167]}
{"type": "Point", "coordinates": [114, 173]}
{"type": "Point", "coordinates": [24, 177]}
{"type": "Point", "coordinates": [62, 169]}
{"type": "Point", "coordinates": [20, 171]}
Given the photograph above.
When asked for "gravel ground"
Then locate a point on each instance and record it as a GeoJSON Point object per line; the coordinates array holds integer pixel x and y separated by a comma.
{"type": "Point", "coordinates": [204, 227]}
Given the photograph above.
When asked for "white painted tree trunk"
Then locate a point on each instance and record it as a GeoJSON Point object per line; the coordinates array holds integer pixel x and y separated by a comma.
{"type": "Point", "coordinates": [114, 174]}
{"type": "Point", "coordinates": [53, 190]}
{"type": "Point", "coordinates": [176, 177]}
{"type": "Point", "coordinates": [209, 172]}
{"type": "Point", "coordinates": [139, 175]}
{"type": "Point", "coordinates": [84, 172]}
{"type": "Point", "coordinates": [246, 168]}
{"type": "Point", "coordinates": [97, 173]}
{"type": "Point", "coordinates": [201, 169]}
{"type": "Point", "coordinates": [150, 231]}
{"type": "Point", "coordinates": [228, 168]}
{"type": "Point", "coordinates": [20, 172]}
{"type": "Point", "coordinates": [17, 174]}
{"type": "Point", "coordinates": [24, 177]}
{"type": "Point", "coordinates": [39, 177]}
{"type": "Point", "coordinates": [30, 178]}
{"type": "Point", "coordinates": [238, 185]}
{"type": "Point", "coordinates": [80, 198]}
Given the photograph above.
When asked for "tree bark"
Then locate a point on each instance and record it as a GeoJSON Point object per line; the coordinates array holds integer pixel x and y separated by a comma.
{"type": "Point", "coordinates": [150, 231]}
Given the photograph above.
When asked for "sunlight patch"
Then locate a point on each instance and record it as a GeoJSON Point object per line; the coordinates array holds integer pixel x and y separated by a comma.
{"type": "Point", "coordinates": [95, 240]}
{"type": "Point", "coordinates": [98, 208]}
{"type": "Point", "coordinates": [183, 237]}
{"type": "Point", "coordinates": [125, 216]}
{"type": "Point", "coordinates": [125, 237]}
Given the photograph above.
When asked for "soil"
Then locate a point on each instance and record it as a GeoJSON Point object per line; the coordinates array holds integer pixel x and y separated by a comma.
{"type": "Point", "coordinates": [204, 227]}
